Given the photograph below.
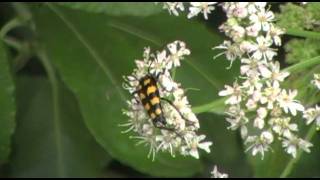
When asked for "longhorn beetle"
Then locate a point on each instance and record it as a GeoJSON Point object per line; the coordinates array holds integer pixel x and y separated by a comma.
{"type": "Point", "coordinates": [149, 96]}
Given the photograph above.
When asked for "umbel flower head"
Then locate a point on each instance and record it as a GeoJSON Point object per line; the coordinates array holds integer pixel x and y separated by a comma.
{"type": "Point", "coordinates": [257, 100]}
{"type": "Point", "coordinates": [178, 131]}
{"type": "Point", "coordinates": [256, 103]}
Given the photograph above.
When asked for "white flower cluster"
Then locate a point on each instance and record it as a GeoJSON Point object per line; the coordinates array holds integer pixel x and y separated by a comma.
{"type": "Point", "coordinates": [178, 113]}
{"type": "Point", "coordinates": [194, 8]}
{"type": "Point", "coordinates": [257, 105]}
{"type": "Point", "coordinates": [216, 174]}
{"type": "Point", "coordinates": [311, 115]}
{"type": "Point", "coordinates": [316, 80]}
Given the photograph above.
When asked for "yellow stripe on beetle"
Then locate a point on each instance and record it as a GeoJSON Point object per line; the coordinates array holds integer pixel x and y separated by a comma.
{"type": "Point", "coordinates": [154, 101]}
{"type": "Point", "coordinates": [158, 111]}
{"type": "Point", "coordinates": [151, 89]}
{"type": "Point", "coordinates": [146, 82]}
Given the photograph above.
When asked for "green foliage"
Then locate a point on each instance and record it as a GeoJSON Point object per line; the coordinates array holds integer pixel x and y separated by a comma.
{"type": "Point", "coordinates": [234, 157]}
{"type": "Point", "coordinates": [313, 8]}
{"type": "Point", "coordinates": [50, 142]}
{"type": "Point", "coordinates": [297, 16]}
{"type": "Point", "coordinates": [117, 8]}
{"type": "Point", "coordinates": [8, 106]}
{"type": "Point", "coordinates": [301, 49]}
{"type": "Point", "coordinates": [300, 17]}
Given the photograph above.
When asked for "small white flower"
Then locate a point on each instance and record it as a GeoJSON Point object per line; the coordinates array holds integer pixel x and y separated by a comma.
{"type": "Point", "coordinates": [234, 92]}
{"type": "Point", "coordinates": [292, 143]}
{"type": "Point", "coordinates": [262, 49]}
{"type": "Point", "coordinates": [288, 103]}
{"type": "Point", "coordinates": [173, 7]}
{"type": "Point", "coordinates": [274, 74]}
{"type": "Point", "coordinates": [253, 85]}
{"type": "Point", "coordinates": [240, 10]}
{"type": "Point", "coordinates": [253, 30]}
{"type": "Point", "coordinates": [270, 95]}
{"type": "Point", "coordinates": [237, 33]}
{"type": "Point", "coordinates": [251, 104]}
{"type": "Point", "coordinates": [232, 51]}
{"type": "Point", "coordinates": [246, 46]}
{"type": "Point", "coordinates": [158, 64]}
{"type": "Point", "coordinates": [316, 80]}
{"type": "Point", "coordinates": [194, 142]}
{"type": "Point", "coordinates": [251, 66]}
{"type": "Point", "coordinates": [260, 144]}
{"type": "Point", "coordinates": [182, 105]}
{"type": "Point", "coordinates": [237, 117]}
{"type": "Point", "coordinates": [168, 142]}
{"type": "Point", "coordinates": [216, 174]}
{"type": "Point", "coordinates": [167, 82]}
{"type": "Point", "coordinates": [262, 19]}
{"type": "Point", "coordinates": [259, 121]}
{"type": "Point", "coordinates": [275, 33]}
{"type": "Point", "coordinates": [201, 7]}
{"type": "Point", "coordinates": [282, 126]}
{"type": "Point", "coordinates": [312, 114]}
{"type": "Point", "coordinates": [177, 50]}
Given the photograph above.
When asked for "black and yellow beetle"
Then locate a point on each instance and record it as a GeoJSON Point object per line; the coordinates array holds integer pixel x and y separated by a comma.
{"type": "Point", "coordinates": [149, 96]}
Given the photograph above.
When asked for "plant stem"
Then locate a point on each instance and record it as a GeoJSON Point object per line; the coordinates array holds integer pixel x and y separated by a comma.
{"type": "Point", "coordinates": [13, 23]}
{"type": "Point", "coordinates": [216, 106]}
{"type": "Point", "coordinates": [303, 64]}
{"type": "Point", "coordinates": [289, 167]}
{"type": "Point", "coordinates": [302, 33]}
{"type": "Point", "coordinates": [55, 98]}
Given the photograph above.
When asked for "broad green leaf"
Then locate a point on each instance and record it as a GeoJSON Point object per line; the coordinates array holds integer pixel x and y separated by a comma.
{"type": "Point", "coordinates": [50, 142]}
{"type": "Point", "coordinates": [117, 8]}
{"type": "Point", "coordinates": [92, 59]}
{"type": "Point", "coordinates": [7, 104]}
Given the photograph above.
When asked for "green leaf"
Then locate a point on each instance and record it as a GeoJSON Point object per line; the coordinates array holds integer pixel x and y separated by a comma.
{"type": "Point", "coordinates": [7, 104]}
{"type": "Point", "coordinates": [92, 62]}
{"type": "Point", "coordinates": [47, 144]}
{"type": "Point", "coordinates": [117, 8]}
{"type": "Point", "coordinates": [299, 50]}
{"type": "Point", "coordinates": [227, 151]}
{"type": "Point", "coordinates": [291, 17]}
